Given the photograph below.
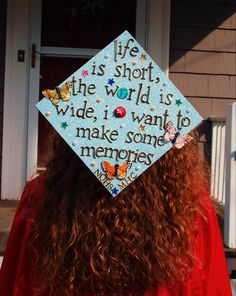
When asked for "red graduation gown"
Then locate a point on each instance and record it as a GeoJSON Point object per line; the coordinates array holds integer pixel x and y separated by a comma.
{"type": "Point", "coordinates": [211, 280]}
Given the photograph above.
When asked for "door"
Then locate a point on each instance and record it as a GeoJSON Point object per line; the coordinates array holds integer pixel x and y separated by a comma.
{"type": "Point", "coordinates": [64, 35]}
{"type": "Point", "coordinates": [151, 24]}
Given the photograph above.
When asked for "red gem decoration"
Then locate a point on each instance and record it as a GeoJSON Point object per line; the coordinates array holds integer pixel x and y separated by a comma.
{"type": "Point", "coordinates": [120, 112]}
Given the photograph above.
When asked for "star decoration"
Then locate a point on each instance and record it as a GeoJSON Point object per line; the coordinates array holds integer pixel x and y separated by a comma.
{"type": "Point", "coordinates": [178, 102]}
{"type": "Point", "coordinates": [143, 57]}
{"type": "Point", "coordinates": [142, 127]}
{"type": "Point", "coordinates": [114, 191]}
{"type": "Point", "coordinates": [64, 125]}
{"type": "Point", "coordinates": [111, 81]}
{"type": "Point", "coordinates": [85, 73]}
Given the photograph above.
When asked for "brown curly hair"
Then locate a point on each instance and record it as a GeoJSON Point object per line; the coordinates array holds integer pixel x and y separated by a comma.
{"type": "Point", "coordinates": [91, 243]}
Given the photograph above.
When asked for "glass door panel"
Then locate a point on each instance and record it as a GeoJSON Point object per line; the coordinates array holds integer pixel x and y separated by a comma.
{"type": "Point", "coordinates": [53, 70]}
{"type": "Point", "coordinates": [70, 31]}
{"type": "Point", "coordinates": [86, 23]}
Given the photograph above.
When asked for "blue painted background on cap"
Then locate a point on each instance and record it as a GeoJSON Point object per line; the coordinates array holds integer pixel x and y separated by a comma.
{"type": "Point", "coordinates": [152, 99]}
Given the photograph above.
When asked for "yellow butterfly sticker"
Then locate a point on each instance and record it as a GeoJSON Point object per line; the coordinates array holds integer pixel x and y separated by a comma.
{"type": "Point", "coordinates": [59, 93]}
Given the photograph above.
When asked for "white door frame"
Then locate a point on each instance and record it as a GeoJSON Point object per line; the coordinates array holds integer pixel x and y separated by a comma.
{"type": "Point", "coordinates": [34, 72]}
{"type": "Point", "coordinates": [158, 32]}
{"type": "Point", "coordinates": [20, 126]}
{"type": "Point", "coordinates": [15, 101]}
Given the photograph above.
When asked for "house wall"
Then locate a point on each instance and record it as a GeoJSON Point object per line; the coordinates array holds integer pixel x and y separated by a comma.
{"type": "Point", "coordinates": [202, 61]}
{"type": "Point", "coordinates": [203, 53]}
{"type": "Point", "coordinates": [3, 13]}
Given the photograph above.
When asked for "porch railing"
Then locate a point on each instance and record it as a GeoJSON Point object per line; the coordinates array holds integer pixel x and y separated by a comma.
{"type": "Point", "coordinates": [218, 159]}
{"type": "Point", "coordinates": [230, 196]}
{"type": "Point", "coordinates": [223, 171]}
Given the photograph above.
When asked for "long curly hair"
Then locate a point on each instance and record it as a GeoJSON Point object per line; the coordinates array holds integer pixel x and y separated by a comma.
{"type": "Point", "coordinates": [90, 243]}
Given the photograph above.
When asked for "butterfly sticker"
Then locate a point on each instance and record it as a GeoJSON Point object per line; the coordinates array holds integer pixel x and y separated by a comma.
{"type": "Point", "coordinates": [118, 171]}
{"type": "Point", "coordinates": [174, 137]}
{"type": "Point", "coordinates": [59, 93]}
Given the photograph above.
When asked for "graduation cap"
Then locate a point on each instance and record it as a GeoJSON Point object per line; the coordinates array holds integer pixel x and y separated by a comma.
{"type": "Point", "coordinates": [120, 113]}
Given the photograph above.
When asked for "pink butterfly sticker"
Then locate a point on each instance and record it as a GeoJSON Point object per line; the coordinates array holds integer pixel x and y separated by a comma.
{"type": "Point", "coordinates": [173, 136]}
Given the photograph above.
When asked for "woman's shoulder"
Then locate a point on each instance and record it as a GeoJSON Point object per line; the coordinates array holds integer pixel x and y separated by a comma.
{"type": "Point", "coordinates": [35, 185]}
{"type": "Point", "coordinates": [15, 266]}
{"type": "Point", "coordinates": [32, 195]}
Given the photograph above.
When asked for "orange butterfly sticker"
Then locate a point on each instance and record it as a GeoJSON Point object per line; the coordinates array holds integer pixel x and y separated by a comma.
{"type": "Point", "coordinates": [118, 171]}
{"type": "Point", "coordinates": [59, 93]}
